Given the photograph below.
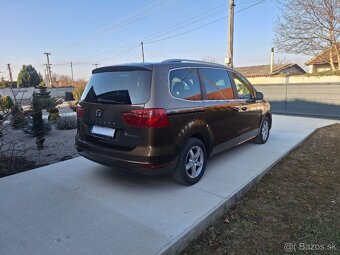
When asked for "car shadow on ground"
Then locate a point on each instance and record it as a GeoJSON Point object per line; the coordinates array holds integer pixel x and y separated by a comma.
{"type": "Point", "coordinates": [122, 177]}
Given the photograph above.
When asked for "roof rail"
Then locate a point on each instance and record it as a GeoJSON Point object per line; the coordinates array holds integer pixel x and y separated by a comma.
{"type": "Point", "coordinates": [189, 61]}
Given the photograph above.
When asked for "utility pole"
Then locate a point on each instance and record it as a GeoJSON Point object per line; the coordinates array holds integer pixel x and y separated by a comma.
{"type": "Point", "coordinates": [10, 72]}
{"type": "Point", "coordinates": [48, 66]}
{"type": "Point", "coordinates": [71, 70]}
{"type": "Point", "coordinates": [230, 54]}
{"type": "Point", "coordinates": [272, 61]}
{"type": "Point", "coordinates": [142, 44]}
{"type": "Point", "coordinates": [96, 65]}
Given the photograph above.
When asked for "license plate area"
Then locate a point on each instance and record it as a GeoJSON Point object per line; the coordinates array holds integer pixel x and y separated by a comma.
{"type": "Point", "coordinates": [103, 131]}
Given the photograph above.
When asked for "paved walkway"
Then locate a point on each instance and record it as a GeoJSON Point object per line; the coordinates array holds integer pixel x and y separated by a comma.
{"type": "Point", "coordinates": [79, 207]}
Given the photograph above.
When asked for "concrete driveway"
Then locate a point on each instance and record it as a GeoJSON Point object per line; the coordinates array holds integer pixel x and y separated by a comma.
{"type": "Point", "coordinates": [80, 207]}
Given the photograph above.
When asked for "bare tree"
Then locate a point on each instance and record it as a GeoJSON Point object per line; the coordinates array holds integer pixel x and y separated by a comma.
{"type": "Point", "coordinates": [310, 27]}
{"type": "Point", "coordinates": [63, 80]}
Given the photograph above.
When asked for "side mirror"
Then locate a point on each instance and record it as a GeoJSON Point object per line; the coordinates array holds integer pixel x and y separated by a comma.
{"type": "Point", "coordinates": [259, 95]}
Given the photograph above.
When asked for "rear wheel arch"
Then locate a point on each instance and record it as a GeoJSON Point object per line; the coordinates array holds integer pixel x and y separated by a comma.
{"type": "Point", "coordinates": [196, 129]}
{"type": "Point", "coordinates": [207, 142]}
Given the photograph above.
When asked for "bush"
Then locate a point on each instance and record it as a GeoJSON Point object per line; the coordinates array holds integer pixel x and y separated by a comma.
{"type": "Point", "coordinates": [38, 122]}
{"type": "Point", "coordinates": [53, 117]}
{"type": "Point", "coordinates": [78, 91]}
{"type": "Point", "coordinates": [53, 114]}
{"type": "Point", "coordinates": [6, 103]}
{"type": "Point", "coordinates": [18, 119]}
{"type": "Point", "coordinates": [47, 103]}
{"type": "Point", "coordinates": [53, 110]}
{"type": "Point", "coordinates": [3, 83]}
{"type": "Point", "coordinates": [66, 122]}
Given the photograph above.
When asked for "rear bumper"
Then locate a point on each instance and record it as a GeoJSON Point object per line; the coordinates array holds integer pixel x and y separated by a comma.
{"type": "Point", "coordinates": [132, 161]}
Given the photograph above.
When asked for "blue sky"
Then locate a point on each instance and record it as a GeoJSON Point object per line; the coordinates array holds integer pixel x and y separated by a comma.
{"type": "Point", "coordinates": [108, 32]}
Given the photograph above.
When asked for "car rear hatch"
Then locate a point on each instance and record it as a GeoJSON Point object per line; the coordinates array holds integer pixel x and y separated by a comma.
{"type": "Point", "coordinates": [111, 93]}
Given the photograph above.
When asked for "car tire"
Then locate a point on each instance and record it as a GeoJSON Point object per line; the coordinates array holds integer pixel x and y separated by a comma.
{"type": "Point", "coordinates": [191, 163]}
{"type": "Point", "coordinates": [264, 132]}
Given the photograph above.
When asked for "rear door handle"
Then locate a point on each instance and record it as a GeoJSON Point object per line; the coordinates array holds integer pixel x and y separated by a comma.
{"type": "Point", "coordinates": [244, 108]}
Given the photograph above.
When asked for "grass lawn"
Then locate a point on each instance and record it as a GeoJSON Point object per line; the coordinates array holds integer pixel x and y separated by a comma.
{"type": "Point", "coordinates": [295, 209]}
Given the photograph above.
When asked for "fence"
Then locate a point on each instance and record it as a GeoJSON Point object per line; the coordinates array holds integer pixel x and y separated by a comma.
{"type": "Point", "coordinates": [26, 93]}
{"type": "Point", "coordinates": [319, 99]}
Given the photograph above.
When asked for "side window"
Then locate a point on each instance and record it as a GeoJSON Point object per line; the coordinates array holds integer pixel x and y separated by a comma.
{"type": "Point", "coordinates": [244, 89]}
{"type": "Point", "coordinates": [184, 83]}
{"type": "Point", "coordinates": [217, 84]}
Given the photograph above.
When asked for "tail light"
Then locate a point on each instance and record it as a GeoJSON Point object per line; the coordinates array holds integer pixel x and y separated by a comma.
{"type": "Point", "coordinates": [146, 118]}
{"type": "Point", "coordinates": [80, 112]}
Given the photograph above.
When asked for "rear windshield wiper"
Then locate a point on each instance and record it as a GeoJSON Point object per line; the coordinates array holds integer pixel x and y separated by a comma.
{"type": "Point", "coordinates": [109, 101]}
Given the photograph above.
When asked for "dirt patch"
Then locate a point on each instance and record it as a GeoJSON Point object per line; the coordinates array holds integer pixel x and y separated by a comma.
{"type": "Point", "coordinates": [13, 165]}
{"type": "Point", "coordinates": [295, 208]}
{"type": "Point", "coordinates": [58, 146]}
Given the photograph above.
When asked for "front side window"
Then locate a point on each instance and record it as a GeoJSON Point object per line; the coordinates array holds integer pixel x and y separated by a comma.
{"type": "Point", "coordinates": [244, 89]}
{"type": "Point", "coordinates": [217, 84]}
{"type": "Point", "coordinates": [184, 84]}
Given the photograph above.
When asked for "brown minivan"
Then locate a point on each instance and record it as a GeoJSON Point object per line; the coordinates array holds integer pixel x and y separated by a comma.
{"type": "Point", "coordinates": [168, 117]}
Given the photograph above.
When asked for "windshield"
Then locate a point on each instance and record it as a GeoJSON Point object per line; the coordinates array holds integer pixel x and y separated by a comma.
{"type": "Point", "coordinates": [123, 87]}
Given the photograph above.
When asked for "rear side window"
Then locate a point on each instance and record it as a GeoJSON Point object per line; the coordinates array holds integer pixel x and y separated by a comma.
{"type": "Point", "coordinates": [123, 87]}
{"type": "Point", "coordinates": [217, 84]}
{"type": "Point", "coordinates": [244, 89]}
{"type": "Point", "coordinates": [184, 84]}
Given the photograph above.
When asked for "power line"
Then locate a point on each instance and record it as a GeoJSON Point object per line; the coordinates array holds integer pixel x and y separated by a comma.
{"type": "Point", "coordinates": [106, 52]}
{"type": "Point", "coordinates": [198, 18]}
{"type": "Point", "coordinates": [134, 17]}
{"type": "Point", "coordinates": [121, 53]}
{"type": "Point", "coordinates": [159, 36]}
{"type": "Point", "coordinates": [192, 20]}
{"type": "Point", "coordinates": [206, 15]}
{"type": "Point", "coordinates": [201, 26]}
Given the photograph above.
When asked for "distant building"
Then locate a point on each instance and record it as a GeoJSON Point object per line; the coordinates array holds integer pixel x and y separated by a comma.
{"type": "Point", "coordinates": [321, 62]}
{"type": "Point", "coordinates": [265, 70]}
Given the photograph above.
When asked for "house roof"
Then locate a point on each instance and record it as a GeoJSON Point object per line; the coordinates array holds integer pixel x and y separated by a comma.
{"type": "Point", "coordinates": [323, 57]}
{"type": "Point", "coordinates": [264, 70]}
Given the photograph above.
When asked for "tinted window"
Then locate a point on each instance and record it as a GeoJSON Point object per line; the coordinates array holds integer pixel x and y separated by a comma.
{"type": "Point", "coordinates": [125, 87]}
{"type": "Point", "coordinates": [217, 84]}
{"type": "Point", "coordinates": [184, 83]}
{"type": "Point", "coordinates": [244, 89]}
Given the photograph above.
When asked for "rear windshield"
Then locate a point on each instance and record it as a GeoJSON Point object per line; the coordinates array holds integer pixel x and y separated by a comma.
{"type": "Point", "coordinates": [123, 87]}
